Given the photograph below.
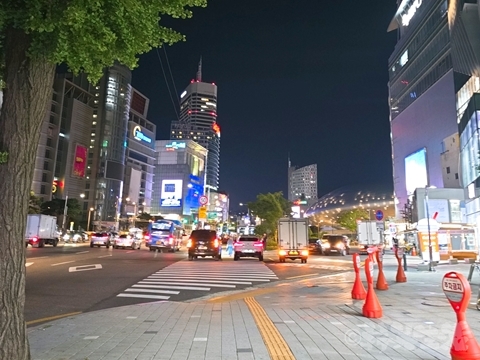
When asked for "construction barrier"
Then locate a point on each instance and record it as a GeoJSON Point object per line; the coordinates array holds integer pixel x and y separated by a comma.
{"type": "Point", "coordinates": [457, 290]}
{"type": "Point", "coordinates": [358, 290]}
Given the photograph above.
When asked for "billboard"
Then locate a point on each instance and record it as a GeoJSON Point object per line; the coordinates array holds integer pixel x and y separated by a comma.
{"type": "Point", "coordinates": [195, 190]}
{"type": "Point", "coordinates": [416, 171]}
{"type": "Point", "coordinates": [171, 195]}
{"type": "Point", "coordinates": [79, 161]}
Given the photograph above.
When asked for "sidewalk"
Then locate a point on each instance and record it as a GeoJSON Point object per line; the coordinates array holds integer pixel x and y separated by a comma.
{"type": "Point", "coordinates": [313, 318]}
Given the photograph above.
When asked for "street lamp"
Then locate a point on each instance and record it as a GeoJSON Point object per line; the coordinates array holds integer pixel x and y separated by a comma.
{"type": "Point", "coordinates": [430, 250]}
{"type": "Point", "coordinates": [88, 223]}
{"type": "Point", "coordinates": [82, 196]}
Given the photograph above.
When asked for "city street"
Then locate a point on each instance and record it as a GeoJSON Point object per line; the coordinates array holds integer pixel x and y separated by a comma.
{"type": "Point", "coordinates": [76, 278]}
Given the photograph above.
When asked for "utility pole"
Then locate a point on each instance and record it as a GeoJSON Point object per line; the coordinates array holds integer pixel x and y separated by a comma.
{"type": "Point", "coordinates": [65, 208]}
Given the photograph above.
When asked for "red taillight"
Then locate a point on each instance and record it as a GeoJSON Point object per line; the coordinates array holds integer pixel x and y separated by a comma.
{"type": "Point", "coordinates": [238, 244]}
{"type": "Point", "coordinates": [147, 237]}
{"type": "Point", "coordinates": [215, 243]}
{"type": "Point", "coordinates": [189, 243]}
{"type": "Point", "coordinates": [34, 239]}
{"type": "Point", "coordinates": [258, 244]}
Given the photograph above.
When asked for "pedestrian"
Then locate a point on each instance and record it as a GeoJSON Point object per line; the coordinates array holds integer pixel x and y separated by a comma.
{"type": "Point", "coordinates": [264, 240]}
{"type": "Point", "coordinates": [230, 246]}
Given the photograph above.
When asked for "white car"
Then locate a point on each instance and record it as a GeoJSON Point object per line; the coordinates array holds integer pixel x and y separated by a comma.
{"type": "Point", "coordinates": [127, 241]}
{"type": "Point", "coordinates": [100, 239]}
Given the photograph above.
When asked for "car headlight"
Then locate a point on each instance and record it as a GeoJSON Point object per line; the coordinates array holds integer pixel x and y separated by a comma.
{"type": "Point", "coordinates": [304, 252]}
{"type": "Point", "coordinates": [282, 253]}
{"type": "Point", "coordinates": [339, 245]}
{"type": "Point", "coordinates": [326, 246]}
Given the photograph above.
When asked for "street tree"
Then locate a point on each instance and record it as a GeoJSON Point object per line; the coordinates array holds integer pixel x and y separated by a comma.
{"type": "Point", "coordinates": [34, 204]}
{"type": "Point", "coordinates": [144, 217]}
{"type": "Point", "coordinates": [348, 218]}
{"type": "Point", "coordinates": [270, 208]}
{"type": "Point", "coordinates": [56, 207]}
{"type": "Point", "coordinates": [35, 36]}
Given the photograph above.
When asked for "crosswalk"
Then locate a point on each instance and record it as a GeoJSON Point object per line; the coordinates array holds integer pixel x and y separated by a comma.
{"type": "Point", "coordinates": [319, 266]}
{"type": "Point", "coordinates": [201, 276]}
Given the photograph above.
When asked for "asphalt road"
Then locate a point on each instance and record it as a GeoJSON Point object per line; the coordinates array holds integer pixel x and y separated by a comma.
{"type": "Point", "coordinates": [76, 278]}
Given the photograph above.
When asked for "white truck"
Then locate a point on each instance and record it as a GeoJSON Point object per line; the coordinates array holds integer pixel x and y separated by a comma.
{"type": "Point", "coordinates": [369, 234]}
{"type": "Point", "coordinates": [292, 239]}
{"type": "Point", "coordinates": [41, 230]}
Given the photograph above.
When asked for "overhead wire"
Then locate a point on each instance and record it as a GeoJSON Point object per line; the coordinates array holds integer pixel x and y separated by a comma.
{"type": "Point", "coordinates": [171, 75]}
{"type": "Point", "coordinates": [168, 86]}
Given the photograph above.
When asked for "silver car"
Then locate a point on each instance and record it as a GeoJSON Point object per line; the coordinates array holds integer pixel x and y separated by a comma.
{"type": "Point", "coordinates": [127, 241]}
{"type": "Point", "coordinates": [100, 239]}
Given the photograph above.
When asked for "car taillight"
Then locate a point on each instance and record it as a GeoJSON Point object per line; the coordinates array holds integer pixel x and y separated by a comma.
{"type": "Point", "coordinates": [258, 244]}
{"type": "Point", "coordinates": [189, 243]}
{"type": "Point", "coordinates": [34, 239]}
{"type": "Point", "coordinates": [238, 244]}
{"type": "Point", "coordinates": [215, 243]}
{"type": "Point", "coordinates": [304, 252]}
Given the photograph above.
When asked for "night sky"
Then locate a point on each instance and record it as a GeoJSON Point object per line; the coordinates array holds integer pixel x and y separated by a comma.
{"type": "Point", "coordinates": [303, 78]}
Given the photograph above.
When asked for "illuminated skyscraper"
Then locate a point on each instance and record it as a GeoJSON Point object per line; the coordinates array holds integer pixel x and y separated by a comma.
{"type": "Point", "coordinates": [198, 122]}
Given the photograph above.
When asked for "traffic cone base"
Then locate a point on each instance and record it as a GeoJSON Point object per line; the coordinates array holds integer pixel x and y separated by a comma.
{"type": "Point", "coordinates": [414, 252]}
{"type": "Point", "coordinates": [358, 290]}
{"type": "Point", "coordinates": [464, 346]}
{"type": "Point", "coordinates": [381, 281]}
{"type": "Point", "coordinates": [400, 274]}
{"type": "Point", "coordinates": [372, 307]}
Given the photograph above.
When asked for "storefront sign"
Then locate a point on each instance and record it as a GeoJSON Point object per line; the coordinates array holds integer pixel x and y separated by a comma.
{"type": "Point", "coordinates": [176, 145]}
{"type": "Point", "coordinates": [410, 13]}
{"type": "Point", "coordinates": [140, 136]}
{"type": "Point", "coordinates": [80, 161]}
{"type": "Point", "coordinates": [425, 240]}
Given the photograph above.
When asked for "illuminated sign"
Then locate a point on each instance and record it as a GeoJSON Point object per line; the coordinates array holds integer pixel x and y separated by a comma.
{"type": "Point", "coordinates": [411, 12]}
{"type": "Point", "coordinates": [176, 145]}
{"type": "Point", "coordinates": [140, 136]}
{"type": "Point", "coordinates": [80, 161]}
{"type": "Point", "coordinates": [183, 94]}
{"type": "Point", "coordinates": [416, 171]}
{"type": "Point", "coordinates": [216, 128]}
{"type": "Point", "coordinates": [55, 185]}
{"type": "Point", "coordinates": [171, 195]}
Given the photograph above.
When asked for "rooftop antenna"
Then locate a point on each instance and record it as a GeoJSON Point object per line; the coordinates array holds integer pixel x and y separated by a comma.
{"type": "Point", "coordinates": [199, 72]}
{"type": "Point", "coordinates": [289, 163]}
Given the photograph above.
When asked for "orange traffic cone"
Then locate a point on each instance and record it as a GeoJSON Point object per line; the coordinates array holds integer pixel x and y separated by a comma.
{"type": "Point", "coordinates": [464, 346]}
{"type": "Point", "coordinates": [381, 281]}
{"type": "Point", "coordinates": [414, 251]}
{"type": "Point", "coordinates": [358, 290]}
{"type": "Point", "coordinates": [372, 307]}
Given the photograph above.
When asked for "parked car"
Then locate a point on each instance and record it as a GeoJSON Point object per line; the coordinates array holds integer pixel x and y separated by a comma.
{"type": "Point", "coordinates": [248, 246]}
{"type": "Point", "coordinates": [335, 244]}
{"type": "Point", "coordinates": [204, 243]}
{"type": "Point", "coordinates": [100, 239]}
{"type": "Point", "coordinates": [127, 241]}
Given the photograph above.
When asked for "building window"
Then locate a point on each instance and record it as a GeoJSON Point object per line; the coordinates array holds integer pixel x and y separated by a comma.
{"type": "Point", "coordinates": [42, 190]}
{"type": "Point", "coordinates": [456, 176]}
{"type": "Point", "coordinates": [47, 154]}
{"type": "Point", "coordinates": [49, 142]}
{"type": "Point", "coordinates": [448, 169]}
{"type": "Point", "coordinates": [44, 177]}
{"type": "Point", "coordinates": [45, 165]}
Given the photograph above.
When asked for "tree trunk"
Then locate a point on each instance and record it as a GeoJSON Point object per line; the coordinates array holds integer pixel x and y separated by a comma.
{"type": "Point", "coordinates": [27, 93]}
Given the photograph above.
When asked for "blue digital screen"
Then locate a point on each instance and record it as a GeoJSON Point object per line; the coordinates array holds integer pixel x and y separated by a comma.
{"type": "Point", "coordinates": [192, 198]}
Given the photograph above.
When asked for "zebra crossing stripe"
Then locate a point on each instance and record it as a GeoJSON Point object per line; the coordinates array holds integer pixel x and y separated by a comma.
{"type": "Point", "coordinates": [210, 278]}
{"type": "Point", "coordinates": [183, 283]}
{"type": "Point", "coordinates": [156, 286]}
{"type": "Point", "coordinates": [144, 296]}
{"type": "Point", "coordinates": [163, 278]}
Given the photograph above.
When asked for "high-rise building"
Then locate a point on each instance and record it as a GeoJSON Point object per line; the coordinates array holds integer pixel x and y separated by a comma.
{"type": "Point", "coordinates": [423, 78]}
{"type": "Point", "coordinates": [198, 122]}
{"type": "Point", "coordinates": [302, 182]}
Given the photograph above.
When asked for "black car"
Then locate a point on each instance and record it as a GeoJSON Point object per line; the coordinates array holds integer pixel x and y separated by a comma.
{"type": "Point", "coordinates": [334, 244]}
{"type": "Point", "coordinates": [204, 243]}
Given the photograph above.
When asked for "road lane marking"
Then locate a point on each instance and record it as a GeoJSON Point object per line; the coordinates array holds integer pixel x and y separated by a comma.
{"type": "Point", "coordinates": [164, 278]}
{"type": "Point", "coordinates": [146, 296]}
{"type": "Point", "coordinates": [85, 268]}
{"type": "Point", "coordinates": [173, 287]}
{"type": "Point", "coordinates": [186, 283]}
{"type": "Point", "coordinates": [28, 264]}
{"type": "Point", "coordinates": [82, 252]}
{"type": "Point", "coordinates": [274, 341]}
{"type": "Point", "coordinates": [128, 252]}
{"type": "Point", "coordinates": [300, 276]}
{"type": "Point", "coordinates": [50, 318]}
{"type": "Point", "coordinates": [153, 291]}
{"type": "Point", "coordinates": [62, 263]}
{"type": "Point", "coordinates": [209, 278]}
{"type": "Point", "coordinates": [103, 256]}
{"type": "Point", "coordinates": [39, 257]}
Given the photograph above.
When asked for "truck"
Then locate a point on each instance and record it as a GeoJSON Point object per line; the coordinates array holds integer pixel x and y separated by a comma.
{"type": "Point", "coordinates": [292, 239]}
{"type": "Point", "coordinates": [41, 230]}
{"type": "Point", "coordinates": [369, 234]}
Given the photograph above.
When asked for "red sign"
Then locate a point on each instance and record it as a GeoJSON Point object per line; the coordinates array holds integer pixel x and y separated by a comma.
{"type": "Point", "coordinates": [216, 128]}
{"type": "Point", "coordinates": [457, 290]}
{"type": "Point", "coordinates": [80, 161]}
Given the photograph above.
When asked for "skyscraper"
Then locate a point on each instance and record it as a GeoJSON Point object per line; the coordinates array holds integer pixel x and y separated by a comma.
{"type": "Point", "coordinates": [198, 122]}
{"type": "Point", "coordinates": [302, 182]}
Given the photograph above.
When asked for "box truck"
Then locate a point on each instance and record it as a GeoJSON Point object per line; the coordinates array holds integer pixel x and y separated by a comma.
{"type": "Point", "coordinates": [369, 234]}
{"type": "Point", "coordinates": [292, 239]}
{"type": "Point", "coordinates": [41, 230]}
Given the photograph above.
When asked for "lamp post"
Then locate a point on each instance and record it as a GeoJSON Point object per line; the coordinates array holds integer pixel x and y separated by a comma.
{"type": "Point", "coordinates": [88, 222]}
{"type": "Point", "coordinates": [65, 207]}
{"type": "Point", "coordinates": [430, 250]}
{"type": "Point", "coordinates": [134, 212]}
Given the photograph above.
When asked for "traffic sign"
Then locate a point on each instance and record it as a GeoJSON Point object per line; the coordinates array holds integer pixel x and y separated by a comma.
{"type": "Point", "coordinates": [379, 215]}
{"type": "Point", "coordinates": [202, 213]}
{"type": "Point", "coordinates": [203, 200]}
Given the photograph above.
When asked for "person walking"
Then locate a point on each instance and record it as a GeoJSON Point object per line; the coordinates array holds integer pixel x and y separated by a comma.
{"type": "Point", "coordinates": [230, 246]}
{"type": "Point", "coordinates": [264, 240]}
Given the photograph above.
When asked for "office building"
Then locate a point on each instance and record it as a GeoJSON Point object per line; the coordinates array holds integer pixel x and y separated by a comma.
{"type": "Point", "coordinates": [179, 179]}
{"type": "Point", "coordinates": [198, 122]}
{"type": "Point", "coordinates": [302, 183]}
{"type": "Point", "coordinates": [423, 78]}
{"type": "Point", "coordinates": [140, 157]}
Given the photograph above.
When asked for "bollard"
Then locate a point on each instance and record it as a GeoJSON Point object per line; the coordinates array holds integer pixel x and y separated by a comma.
{"type": "Point", "coordinates": [470, 273]}
{"type": "Point", "coordinates": [400, 273]}
{"type": "Point", "coordinates": [381, 281]}
{"type": "Point", "coordinates": [358, 290]}
{"type": "Point", "coordinates": [457, 290]}
{"type": "Point", "coordinates": [372, 307]}
{"type": "Point", "coordinates": [404, 261]}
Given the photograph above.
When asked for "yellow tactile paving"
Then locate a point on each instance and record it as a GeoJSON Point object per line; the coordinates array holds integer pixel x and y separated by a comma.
{"type": "Point", "coordinates": [275, 343]}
